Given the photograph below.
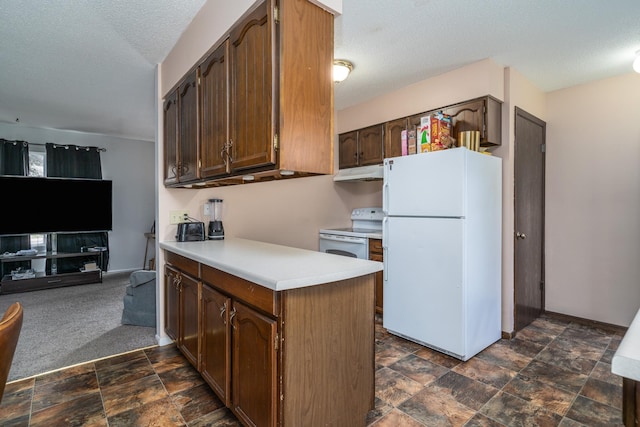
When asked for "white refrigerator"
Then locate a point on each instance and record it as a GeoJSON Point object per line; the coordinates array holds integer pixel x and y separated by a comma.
{"type": "Point", "coordinates": [442, 249]}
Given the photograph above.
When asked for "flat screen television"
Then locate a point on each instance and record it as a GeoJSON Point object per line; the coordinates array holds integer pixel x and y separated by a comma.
{"type": "Point", "coordinates": [34, 205]}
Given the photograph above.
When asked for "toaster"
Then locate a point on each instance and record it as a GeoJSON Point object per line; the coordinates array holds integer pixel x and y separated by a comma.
{"type": "Point", "coordinates": [190, 232]}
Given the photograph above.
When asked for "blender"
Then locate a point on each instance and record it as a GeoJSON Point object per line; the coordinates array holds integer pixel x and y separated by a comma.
{"type": "Point", "coordinates": [216, 230]}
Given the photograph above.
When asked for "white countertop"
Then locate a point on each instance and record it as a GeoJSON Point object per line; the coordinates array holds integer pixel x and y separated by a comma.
{"type": "Point", "coordinates": [273, 266]}
{"type": "Point", "coordinates": [626, 360]}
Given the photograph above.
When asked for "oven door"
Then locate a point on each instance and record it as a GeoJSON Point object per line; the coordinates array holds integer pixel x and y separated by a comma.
{"type": "Point", "coordinates": [355, 247]}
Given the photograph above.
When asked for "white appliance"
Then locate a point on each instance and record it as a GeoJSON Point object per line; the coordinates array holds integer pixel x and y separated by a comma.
{"type": "Point", "coordinates": [442, 249]}
{"type": "Point", "coordinates": [366, 223]}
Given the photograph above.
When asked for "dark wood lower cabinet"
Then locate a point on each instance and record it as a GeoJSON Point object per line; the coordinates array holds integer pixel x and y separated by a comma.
{"type": "Point", "coordinates": [254, 366]}
{"type": "Point", "coordinates": [216, 340]}
{"type": "Point", "coordinates": [189, 319]}
{"type": "Point", "coordinates": [630, 402]}
{"type": "Point", "coordinates": [298, 357]}
{"type": "Point", "coordinates": [172, 302]}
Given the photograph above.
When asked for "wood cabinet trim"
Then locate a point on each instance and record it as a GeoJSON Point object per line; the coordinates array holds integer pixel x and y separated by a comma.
{"type": "Point", "coordinates": [250, 293]}
{"type": "Point", "coordinates": [184, 264]}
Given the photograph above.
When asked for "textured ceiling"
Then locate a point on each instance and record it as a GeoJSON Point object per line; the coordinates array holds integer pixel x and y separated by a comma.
{"type": "Point", "coordinates": [88, 65]}
{"type": "Point", "coordinates": [554, 43]}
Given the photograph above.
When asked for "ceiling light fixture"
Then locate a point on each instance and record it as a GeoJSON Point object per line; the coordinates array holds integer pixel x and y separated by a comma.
{"type": "Point", "coordinates": [636, 63]}
{"type": "Point", "coordinates": [341, 70]}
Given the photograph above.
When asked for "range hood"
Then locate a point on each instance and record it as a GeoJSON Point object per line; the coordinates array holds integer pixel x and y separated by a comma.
{"type": "Point", "coordinates": [362, 173]}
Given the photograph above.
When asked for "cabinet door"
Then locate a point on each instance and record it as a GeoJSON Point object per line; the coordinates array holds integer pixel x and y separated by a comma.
{"type": "Point", "coordinates": [216, 342]}
{"type": "Point", "coordinates": [188, 336]}
{"type": "Point", "coordinates": [393, 137]}
{"type": "Point", "coordinates": [467, 116]}
{"type": "Point", "coordinates": [188, 132]}
{"type": "Point", "coordinates": [171, 302]}
{"type": "Point", "coordinates": [370, 145]}
{"type": "Point", "coordinates": [252, 74]}
{"type": "Point", "coordinates": [214, 107]}
{"type": "Point", "coordinates": [254, 385]}
{"type": "Point", "coordinates": [348, 149]}
{"type": "Point", "coordinates": [170, 118]}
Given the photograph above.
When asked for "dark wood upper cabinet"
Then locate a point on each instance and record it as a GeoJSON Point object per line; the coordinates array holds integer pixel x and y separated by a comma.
{"type": "Point", "coordinates": [362, 147]}
{"type": "Point", "coordinates": [214, 108]}
{"type": "Point", "coordinates": [370, 145]}
{"type": "Point", "coordinates": [481, 114]}
{"type": "Point", "coordinates": [265, 99]}
{"type": "Point", "coordinates": [393, 137]}
{"type": "Point", "coordinates": [170, 118]}
{"type": "Point", "coordinates": [188, 135]}
{"type": "Point", "coordinates": [251, 52]}
{"type": "Point", "coordinates": [348, 149]}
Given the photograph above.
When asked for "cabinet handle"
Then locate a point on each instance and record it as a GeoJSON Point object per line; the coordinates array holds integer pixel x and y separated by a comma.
{"type": "Point", "coordinates": [225, 153]}
{"type": "Point", "coordinates": [229, 151]}
{"type": "Point", "coordinates": [223, 309]}
{"type": "Point", "coordinates": [232, 314]}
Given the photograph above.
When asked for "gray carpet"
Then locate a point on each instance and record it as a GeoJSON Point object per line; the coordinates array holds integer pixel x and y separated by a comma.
{"type": "Point", "coordinates": [66, 326]}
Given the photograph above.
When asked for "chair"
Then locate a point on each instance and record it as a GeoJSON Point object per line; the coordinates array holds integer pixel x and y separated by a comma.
{"type": "Point", "coordinates": [140, 299]}
{"type": "Point", "coordinates": [10, 326]}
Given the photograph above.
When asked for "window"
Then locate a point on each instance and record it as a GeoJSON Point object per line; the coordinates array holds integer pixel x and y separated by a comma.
{"type": "Point", "coordinates": [36, 161]}
{"type": "Point", "coordinates": [36, 168]}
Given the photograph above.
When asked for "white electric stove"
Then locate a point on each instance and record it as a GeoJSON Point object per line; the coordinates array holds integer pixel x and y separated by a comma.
{"type": "Point", "coordinates": [366, 223]}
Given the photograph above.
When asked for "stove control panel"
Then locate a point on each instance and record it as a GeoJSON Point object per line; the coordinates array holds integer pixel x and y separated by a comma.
{"type": "Point", "coordinates": [367, 214]}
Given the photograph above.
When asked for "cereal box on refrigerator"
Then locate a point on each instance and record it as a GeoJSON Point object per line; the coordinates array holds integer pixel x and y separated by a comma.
{"type": "Point", "coordinates": [440, 132]}
{"type": "Point", "coordinates": [424, 135]}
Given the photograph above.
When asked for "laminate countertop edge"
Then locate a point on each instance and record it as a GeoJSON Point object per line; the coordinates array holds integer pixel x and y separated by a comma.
{"type": "Point", "coordinates": [626, 360]}
{"type": "Point", "coordinates": [275, 267]}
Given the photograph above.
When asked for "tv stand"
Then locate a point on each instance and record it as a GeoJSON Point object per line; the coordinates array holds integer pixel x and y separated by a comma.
{"type": "Point", "coordinates": [8, 285]}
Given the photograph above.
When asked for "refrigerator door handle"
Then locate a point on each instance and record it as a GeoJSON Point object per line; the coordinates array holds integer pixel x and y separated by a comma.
{"type": "Point", "coordinates": [385, 255]}
{"type": "Point", "coordinates": [385, 188]}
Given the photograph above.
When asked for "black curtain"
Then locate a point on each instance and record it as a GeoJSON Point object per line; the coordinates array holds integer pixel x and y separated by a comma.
{"type": "Point", "coordinates": [14, 160]}
{"type": "Point", "coordinates": [70, 161]}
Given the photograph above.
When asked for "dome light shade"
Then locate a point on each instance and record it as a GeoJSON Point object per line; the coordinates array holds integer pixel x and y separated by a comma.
{"type": "Point", "coordinates": [341, 70]}
{"type": "Point", "coordinates": [636, 63]}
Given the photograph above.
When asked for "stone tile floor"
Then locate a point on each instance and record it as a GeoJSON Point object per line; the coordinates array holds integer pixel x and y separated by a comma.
{"type": "Point", "coordinates": [554, 373]}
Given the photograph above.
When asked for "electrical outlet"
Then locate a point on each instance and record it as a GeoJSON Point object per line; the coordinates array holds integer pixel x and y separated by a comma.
{"type": "Point", "coordinates": [206, 209]}
{"type": "Point", "coordinates": [176, 217]}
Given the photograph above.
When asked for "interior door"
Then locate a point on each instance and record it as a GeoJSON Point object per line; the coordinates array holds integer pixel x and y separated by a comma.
{"type": "Point", "coordinates": [529, 217]}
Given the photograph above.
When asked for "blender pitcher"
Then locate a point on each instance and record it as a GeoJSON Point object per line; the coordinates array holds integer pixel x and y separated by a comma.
{"type": "Point", "coordinates": [216, 230]}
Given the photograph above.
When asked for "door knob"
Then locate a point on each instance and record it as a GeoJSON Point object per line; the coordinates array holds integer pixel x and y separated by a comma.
{"type": "Point", "coordinates": [520, 235]}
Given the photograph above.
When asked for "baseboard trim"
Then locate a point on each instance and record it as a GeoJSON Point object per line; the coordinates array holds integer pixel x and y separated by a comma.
{"type": "Point", "coordinates": [162, 341]}
{"type": "Point", "coordinates": [609, 327]}
{"type": "Point", "coordinates": [508, 335]}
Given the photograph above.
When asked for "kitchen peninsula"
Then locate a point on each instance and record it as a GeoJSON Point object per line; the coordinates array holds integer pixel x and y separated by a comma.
{"type": "Point", "coordinates": [283, 336]}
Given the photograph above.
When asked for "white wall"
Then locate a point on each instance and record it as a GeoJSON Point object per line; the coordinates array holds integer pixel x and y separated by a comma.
{"type": "Point", "coordinates": [130, 165]}
{"type": "Point", "coordinates": [593, 200]}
